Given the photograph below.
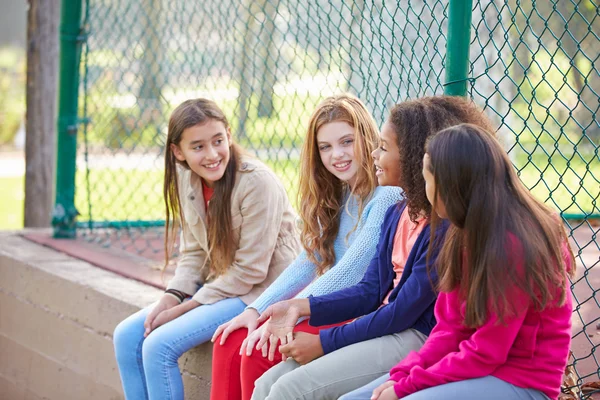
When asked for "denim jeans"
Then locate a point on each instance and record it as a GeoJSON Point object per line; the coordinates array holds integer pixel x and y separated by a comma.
{"type": "Point", "coordinates": [148, 366]}
{"type": "Point", "coordinates": [487, 387]}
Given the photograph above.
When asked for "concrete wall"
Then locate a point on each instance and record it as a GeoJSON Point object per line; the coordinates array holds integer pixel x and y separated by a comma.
{"type": "Point", "coordinates": [57, 315]}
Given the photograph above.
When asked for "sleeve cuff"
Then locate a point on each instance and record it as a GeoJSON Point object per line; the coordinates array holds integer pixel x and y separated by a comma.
{"type": "Point", "coordinates": [183, 285]}
{"type": "Point", "coordinates": [399, 392]}
{"type": "Point", "coordinates": [326, 342]}
{"type": "Point", "coordinates": [316, 319]}
{"type": "Point", "coordinates": [258, 306]}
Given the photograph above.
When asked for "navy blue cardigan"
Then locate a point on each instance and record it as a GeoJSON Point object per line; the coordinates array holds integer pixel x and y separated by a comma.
{"type": "Point", "coordinates": [410, 303]}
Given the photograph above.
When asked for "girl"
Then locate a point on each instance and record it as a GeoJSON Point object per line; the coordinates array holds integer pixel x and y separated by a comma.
{"type": "Point", "coordinates": [395, 298]}
{"type": "Point", "coordinates": [504, 309]}
{"type": "Point", "coordinates": [341, 210]}
{"type": "Point", "coordinates": [238, 235]}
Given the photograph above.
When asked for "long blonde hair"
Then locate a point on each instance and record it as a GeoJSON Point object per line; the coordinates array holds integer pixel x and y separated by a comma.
{"type": "Point", "coordinates": [220, 231]}
{"type": "Point", "coordinates": [321, 193]}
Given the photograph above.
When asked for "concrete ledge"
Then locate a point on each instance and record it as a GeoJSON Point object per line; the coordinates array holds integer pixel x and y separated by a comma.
{"type": "Point", "coordinates": [57, 316]}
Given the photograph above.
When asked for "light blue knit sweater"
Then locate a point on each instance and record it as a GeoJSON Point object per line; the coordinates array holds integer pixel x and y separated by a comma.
{"type": "Point", "coordinates": [352, 254]}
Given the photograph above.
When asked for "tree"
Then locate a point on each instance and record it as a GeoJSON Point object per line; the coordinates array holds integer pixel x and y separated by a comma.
{"type": "Point", "coordinates": [40, 119]}
{"type": "Point", "coordinates": [258, 59]}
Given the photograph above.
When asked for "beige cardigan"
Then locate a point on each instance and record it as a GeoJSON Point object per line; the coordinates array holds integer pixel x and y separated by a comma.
{"type": "Point", "coordinates": [263, 223]}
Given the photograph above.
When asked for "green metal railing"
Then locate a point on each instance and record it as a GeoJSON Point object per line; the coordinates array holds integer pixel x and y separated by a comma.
{"type": "Point", "coordinates": [533, 67]}
{"type": "Point", "coordinates": [71, 40]}
{"type": "Point", "coordinates": [457, 48]}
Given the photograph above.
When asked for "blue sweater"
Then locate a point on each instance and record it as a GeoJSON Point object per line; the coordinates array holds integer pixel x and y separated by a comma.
{"type": "Point", "coordinates": [352, 254]}
{"type": "Point", "coordinates": [410, 303]}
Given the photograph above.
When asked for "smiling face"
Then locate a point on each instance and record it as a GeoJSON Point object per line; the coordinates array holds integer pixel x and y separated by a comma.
{"type": "Point", "coordinates": [387, 158]}
{"type": "Point", "coordinates": [335, 141]}
{"type": "Point", "coordinates": [206, 149]}
{"type": "Point", "coordinates": [439, 206]}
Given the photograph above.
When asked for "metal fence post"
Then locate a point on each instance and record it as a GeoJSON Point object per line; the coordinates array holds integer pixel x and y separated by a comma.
{"type": "Point", "coordinates": [457, 47]}
{"type": "Point", "coordinates": [71, 39]}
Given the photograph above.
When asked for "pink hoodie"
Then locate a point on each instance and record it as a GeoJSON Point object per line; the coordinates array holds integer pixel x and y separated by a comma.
{"type": "Point", "coordinates": [528, 350]}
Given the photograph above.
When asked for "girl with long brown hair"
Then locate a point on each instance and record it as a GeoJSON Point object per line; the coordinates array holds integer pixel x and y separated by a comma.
{"type": "Point", "coordinates": [504, 308]}
{"type": "Point", "coordinates": [391, 308]}
{"type": "Point", "coordinates": [341, 210]}
{"type": "Point", "coordinates": [237, 236]}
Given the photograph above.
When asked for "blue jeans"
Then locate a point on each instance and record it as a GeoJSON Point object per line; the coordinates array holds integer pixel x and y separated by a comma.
{"type": "Point", "coordinates": [148, 366]}
{"type": "Point", "coordinates": [487, 387]}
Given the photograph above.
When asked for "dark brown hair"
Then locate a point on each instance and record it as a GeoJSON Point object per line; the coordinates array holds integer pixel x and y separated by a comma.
{"type": "Point", "coordinates": [500, 236]}
{"type": "Point", "coordinates": [321, 193]}
{"type": "Point", "coordinates": [220, 231]}
{"type": "Point", "coordinates": [413, 122]}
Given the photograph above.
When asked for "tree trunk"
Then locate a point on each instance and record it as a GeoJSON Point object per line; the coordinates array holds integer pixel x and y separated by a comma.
{"type": "Point", "coordinates": [268, 55]}
{"type": "Point", "coordinates": [150, 69]}
{"type": "Point", "coordinates": [40, 119]}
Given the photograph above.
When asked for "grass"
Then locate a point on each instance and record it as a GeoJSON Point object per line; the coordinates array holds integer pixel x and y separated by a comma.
{"type": "Point", "coordinates": [116, 194]}
{"type": "Point", "coordinates": [119, 195]}
{"type": "Point", "coordinates": [11, 207]}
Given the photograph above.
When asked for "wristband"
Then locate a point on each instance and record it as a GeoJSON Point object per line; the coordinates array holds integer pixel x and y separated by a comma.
{"type": "Point", "coordinates": [175, 297]}
{"type": "Point", "coordinates": [175, 293]}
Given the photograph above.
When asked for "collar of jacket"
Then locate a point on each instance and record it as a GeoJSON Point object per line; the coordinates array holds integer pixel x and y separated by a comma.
{"type": "Point", "coordinates": [194, 192]}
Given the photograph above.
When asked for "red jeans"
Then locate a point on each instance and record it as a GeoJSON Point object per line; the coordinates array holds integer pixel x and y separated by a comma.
{"type": "Point", "coordinates": [233, 376]}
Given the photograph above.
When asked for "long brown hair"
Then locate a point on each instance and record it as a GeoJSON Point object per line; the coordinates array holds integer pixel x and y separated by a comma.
{"type": "Point", "coordinates": [321, 193]}
{"type": "Point", "coordinates": [221, 240]}
{"type": "Point", "coordinates": [500, 235]}
{"type": "Point", "coordinates": [414, 121]}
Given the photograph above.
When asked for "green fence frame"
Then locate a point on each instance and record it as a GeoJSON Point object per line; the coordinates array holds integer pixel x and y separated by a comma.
{"type": "Point", "coordinates": [71, 40]}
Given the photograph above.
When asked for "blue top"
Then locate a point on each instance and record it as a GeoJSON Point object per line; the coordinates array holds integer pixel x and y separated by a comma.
{"type": "Point", "coordinates": [410, 303]}
{"type": "Point", "coordinates": [352, 254]}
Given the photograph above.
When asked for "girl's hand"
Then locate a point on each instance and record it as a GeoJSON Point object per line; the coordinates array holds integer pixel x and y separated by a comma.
{"type": "Point", "coordinates": [283, 318]}
{"type": "Point", "coordinates": [166, 302]}
{"type": "Point", "coordinates": [251, 340]}
{"type": "Point", "coordinates": [385, 391]}
{"type": "Point", "coordinates": [172, 313]}
{"type": "Point", "coordinates": [248, 319]}
{"type": "Point", "coordinates": [304, 348]}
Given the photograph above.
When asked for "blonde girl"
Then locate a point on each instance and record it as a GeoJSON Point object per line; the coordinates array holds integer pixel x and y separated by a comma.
{"type": "Point", "coordinates": [341, 210]}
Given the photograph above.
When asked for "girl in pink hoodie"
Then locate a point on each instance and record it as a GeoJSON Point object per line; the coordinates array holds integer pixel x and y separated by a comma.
{"type": "Point", "coordinates": [504, 308]}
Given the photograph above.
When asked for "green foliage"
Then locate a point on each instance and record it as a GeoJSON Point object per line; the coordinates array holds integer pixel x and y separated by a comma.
{"type": "Point", "coordinates": [12, 93]}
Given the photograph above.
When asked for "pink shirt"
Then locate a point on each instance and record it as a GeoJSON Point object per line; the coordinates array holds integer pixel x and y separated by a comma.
{"type": "Point", "coordinates": [406, 235]}
{"type": "Point", "coordinates": [528, 350]}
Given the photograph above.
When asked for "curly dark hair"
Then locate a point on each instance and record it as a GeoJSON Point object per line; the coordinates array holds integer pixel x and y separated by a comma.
{"type": "Point", "coordinates": [414, 121]}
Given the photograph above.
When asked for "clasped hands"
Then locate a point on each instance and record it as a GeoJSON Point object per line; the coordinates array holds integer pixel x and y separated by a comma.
{"type": "Point", "coordinates": [167, 309]}
{"type": "Point", "coordinates": [277, 331]}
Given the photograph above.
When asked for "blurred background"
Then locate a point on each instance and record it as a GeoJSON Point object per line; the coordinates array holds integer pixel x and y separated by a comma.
{"type": "Point", "coordinates": [533, 67]}
{"type": "Point", "coordinates": [13, 19]}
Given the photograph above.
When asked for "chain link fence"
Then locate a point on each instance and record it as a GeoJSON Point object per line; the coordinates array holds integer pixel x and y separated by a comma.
{"type": "Point", "coordinates": [533, 67]}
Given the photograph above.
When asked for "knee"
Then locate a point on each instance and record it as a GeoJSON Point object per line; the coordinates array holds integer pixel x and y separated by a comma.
{"type": "Point", "coordinates": [156, 350]}
{"type": "Point", "coordinates": [231, 347]}
{"type": "Point", "coordinates": [262, 387]}
{"type": "Point", "coordinates": [125, 338]}
{"type": "Point", "coordinates": [249, 362]}
{"type": "Point", "coordinates": [355, 396]}
{"type": "Point", "coordinates": [286, 388]}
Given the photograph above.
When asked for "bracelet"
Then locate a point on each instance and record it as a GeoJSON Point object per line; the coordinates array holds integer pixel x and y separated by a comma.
{"type": "Point", "coordinates": [174, 296]}
{"type": "Point", "coordinates": [176, 293]}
